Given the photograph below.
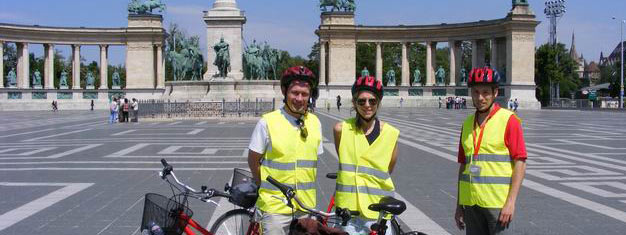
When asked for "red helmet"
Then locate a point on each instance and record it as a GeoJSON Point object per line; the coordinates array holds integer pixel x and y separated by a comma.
{"type": "Point", "coordinates": [368, 83]}
{"type": "Point", "coordinates": [298, 73]}
{"type": "Point", "coordinates": [485, 75]}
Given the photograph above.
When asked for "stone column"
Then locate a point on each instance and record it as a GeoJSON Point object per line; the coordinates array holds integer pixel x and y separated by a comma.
{"type": "Point", "coordinates": [104, 67]}
{"type": "Point", "coordinates": [75, 66]}
{"type": "Point", "coordinates": [23, 66]}
{"type": "Point", "coordinates": [431, 63]}
{"type": "Point", "coordinates": [406, 73]}
{"type": "Point", "coordinates": [379, 61]}
{"type": "Point", "coordinates": [493, 61]}
{"type": "Point", "coordinates": [454, 65]}
{"type": "Point", "coordinates": [1, 64]}
{"type": "Point", "coordinates": [478, 53]}
{"type": "Point", "coordinates": [322, 71]}
{"type": "Point", "coordinates": [48, 75]}
{"type": "Point", "coordinates": [160, 78]}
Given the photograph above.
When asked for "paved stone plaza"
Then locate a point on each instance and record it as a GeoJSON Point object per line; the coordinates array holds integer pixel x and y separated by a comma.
{"type": "Point", "coordinates": [72, 173]}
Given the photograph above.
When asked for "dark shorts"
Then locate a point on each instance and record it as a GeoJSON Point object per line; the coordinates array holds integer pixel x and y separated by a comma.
{"type": "Point", "coordinates": [482, 221]}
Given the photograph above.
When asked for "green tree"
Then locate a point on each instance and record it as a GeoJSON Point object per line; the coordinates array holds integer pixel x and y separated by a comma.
{"type": "Point", "coordinates": [366, 58]}
{"type": "Point", "coordinates": [561, 73]}
{"type": "Point", "coordinates": [60, 65]}
{"type": "Point", "coordinates": [10, 59]}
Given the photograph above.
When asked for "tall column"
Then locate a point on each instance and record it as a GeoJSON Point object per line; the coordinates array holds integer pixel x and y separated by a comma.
{"type": "Point", "coordinates": [406, 74]}
{"type": "Point", "coordinates": [458, 65]}
{"type": "Point", "coordinates": [75, 66]}
{"type": "Point", "coordinates": [322, 71]}
{"type": "Point", "coordinates": [493, 61]}
{"type": "Point", "coordinates": [453, 59]}
{"type": "Point", "coordinates": [1, 64]}
{"type": "Point", "coordinates": [431, 63]}
{"type": "Point", "coordinates": [48, 75]}
{"type": "Point", "coordinates": [160, 82]}
{"type": "Point", "coordinates": [104, 67]}
{"type": "Point", "coordinates": [478, 53]}
{"type": "Point", "coordinates": [23, 66]}
{"type": "Point", "coordinates": [379, 61]}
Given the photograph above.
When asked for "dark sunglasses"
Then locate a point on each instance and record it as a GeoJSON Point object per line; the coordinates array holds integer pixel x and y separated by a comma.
{"type": "Point", "coordinates": [372, 102]}
{"type": "Point", "coordinates": [303, 131]}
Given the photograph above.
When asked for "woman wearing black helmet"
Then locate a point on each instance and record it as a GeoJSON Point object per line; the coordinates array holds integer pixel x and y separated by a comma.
{"type": "Point", "coordinates": [367, 150]}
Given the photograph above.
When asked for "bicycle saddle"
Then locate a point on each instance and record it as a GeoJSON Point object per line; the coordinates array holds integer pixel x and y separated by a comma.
{"type": "Point", "coordinates": [389, 205]}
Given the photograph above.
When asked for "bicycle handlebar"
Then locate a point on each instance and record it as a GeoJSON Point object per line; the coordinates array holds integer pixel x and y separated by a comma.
{"type": "Point", "coordinates": [290, 193]}
{"type": "Point", "coordinates": [203, 195]}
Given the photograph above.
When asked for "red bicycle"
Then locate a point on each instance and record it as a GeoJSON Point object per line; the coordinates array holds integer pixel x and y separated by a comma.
{"type": "Point", "coordinates": [165, 216]}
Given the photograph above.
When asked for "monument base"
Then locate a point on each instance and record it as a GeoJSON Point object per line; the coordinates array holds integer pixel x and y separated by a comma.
{"type": "Point", "coordinates": [64, 87]}
{"type": "Point", "coordinates": [225, 88]}
{"type": "Point", "coordinates": [116, 88]}
{"type": "Point", "coordinates": [90, 87]}
{"type": "Point", "coordinates": [38, 87]}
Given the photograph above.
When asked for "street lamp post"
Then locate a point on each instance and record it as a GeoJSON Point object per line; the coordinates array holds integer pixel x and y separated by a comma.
{"type": "Point", "coordinates": [621, 90]}
{"type": "Point", "coordinates": [554, 10]}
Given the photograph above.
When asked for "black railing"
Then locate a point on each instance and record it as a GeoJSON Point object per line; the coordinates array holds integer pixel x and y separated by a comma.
{"type": "Point", "coordinates": [200, 109]}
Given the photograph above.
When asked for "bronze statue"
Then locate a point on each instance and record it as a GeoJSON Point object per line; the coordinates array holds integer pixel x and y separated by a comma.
{"type": "Point", "coordinates": [222, 58]}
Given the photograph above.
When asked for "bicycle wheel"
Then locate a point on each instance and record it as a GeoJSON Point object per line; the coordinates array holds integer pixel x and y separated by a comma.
{"type": "Point", "coordinates": [233, 222]}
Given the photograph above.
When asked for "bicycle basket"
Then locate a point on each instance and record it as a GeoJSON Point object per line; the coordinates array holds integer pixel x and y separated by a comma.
{"type": "Point", "coordinates": [166, 213]}
{"type": "Point", "coordinates": [241, 176]}
{"type": "Point", "coordinates": [243, 191]}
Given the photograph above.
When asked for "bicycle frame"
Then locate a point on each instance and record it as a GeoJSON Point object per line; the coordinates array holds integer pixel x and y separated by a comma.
{"type": "Point", "coordinates": [204, 195]}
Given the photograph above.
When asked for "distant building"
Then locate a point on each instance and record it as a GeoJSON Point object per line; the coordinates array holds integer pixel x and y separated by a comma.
{"type": "Point", "coordinates": [592, 72]}
{"type": "Point", "coordinates": [614, 57]}
{"type": "Point", "coordinates": [579, 68]}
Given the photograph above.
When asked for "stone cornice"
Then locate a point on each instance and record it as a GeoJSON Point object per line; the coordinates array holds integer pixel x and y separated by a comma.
{"type": "Point", "coordinates": [78, 35]}
{"type": "Point", "coordinates": [437, 33]}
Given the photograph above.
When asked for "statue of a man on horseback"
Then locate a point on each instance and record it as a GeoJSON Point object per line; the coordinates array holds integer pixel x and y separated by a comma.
{"type": "Point", "coordinates": [222, 58]}
{"type": "Point", "coordinates": [337, 5]}
{"type": "Point", "coordinates": [146, 7]}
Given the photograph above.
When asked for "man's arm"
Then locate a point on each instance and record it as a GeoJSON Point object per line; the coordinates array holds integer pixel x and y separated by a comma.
{"type": "Point", "coordinates": [519, 171]}
{"type": "Point", "coordinates": [458, 214]}
{"type": "Point", "coordinates": [254, 162]}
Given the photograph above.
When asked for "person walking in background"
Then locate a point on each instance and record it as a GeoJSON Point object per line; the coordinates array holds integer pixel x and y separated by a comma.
{"type": "Point", "coordinates": [515, 105]}
{"type": "Point", "coordinates": [91, 105]}
{"type": "Point", "coordinates": [440, 102]}
{"type": "Point", "coordinates": [135, 109]}
{"type": "Point", "coordinates": [113, 109]}
{"type": "Point", "coordinates": [126, 109]}
{"type": "Point", "coordinates": [338, 103]}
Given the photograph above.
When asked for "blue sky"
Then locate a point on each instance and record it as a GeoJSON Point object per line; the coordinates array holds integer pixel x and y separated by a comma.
{"type": "Point", "coordinates": [290, 24]}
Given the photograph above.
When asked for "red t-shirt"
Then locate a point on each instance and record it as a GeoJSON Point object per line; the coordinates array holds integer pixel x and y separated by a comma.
{"type": "Point", "coordinates": [513, 138]}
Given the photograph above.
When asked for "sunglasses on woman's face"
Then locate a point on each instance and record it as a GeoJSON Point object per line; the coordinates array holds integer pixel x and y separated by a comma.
{"type": "Point", "coordinates": [371, 101]}
{"type": "Point", "coordinates": [303, 131]}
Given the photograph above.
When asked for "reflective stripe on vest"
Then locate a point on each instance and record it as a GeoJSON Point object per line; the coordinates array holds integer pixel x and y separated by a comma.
{"type": "Point", "coordinates": [363, 189]}
{"type": "Point", "coordinates": [366, 170]}
{"type": "Point", "coordinates": [290, 165]}
{"type": "Point", "coordinates": [490, 188]}
{"type": "Point", "coordinates": [363, 177]}
{"type": "Point", "coordinates": [292, 160]}
{"type": "Point", "coordinates": [299, 186]}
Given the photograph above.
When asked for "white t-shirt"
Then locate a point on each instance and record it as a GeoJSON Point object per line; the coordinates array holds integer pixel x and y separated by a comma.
{"type": "Point", "coordinates": [260, 140]}
{"type": "Point", "coordinates": [135, 106]}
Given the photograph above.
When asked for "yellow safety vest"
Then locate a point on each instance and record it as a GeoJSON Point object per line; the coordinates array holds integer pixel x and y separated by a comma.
{"type": "Point", "coordinates": [363, 177]}
{"type": "Point", "coordinates": [292, 161]}
{"type": "Point", "coordinates": [490, 187]}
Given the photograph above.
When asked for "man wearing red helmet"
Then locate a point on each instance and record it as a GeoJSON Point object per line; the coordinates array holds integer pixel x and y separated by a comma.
{"type": "Point", "coordinates": [492, 157]}
{"type": "Point", "coordinates": [367, 150]}
{"type": "Point", "coordinates": [285, 145]}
